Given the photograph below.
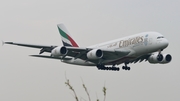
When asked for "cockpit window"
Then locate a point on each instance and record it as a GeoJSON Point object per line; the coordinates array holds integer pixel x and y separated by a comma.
{"type": "Point", "coordinates": [160, 37]}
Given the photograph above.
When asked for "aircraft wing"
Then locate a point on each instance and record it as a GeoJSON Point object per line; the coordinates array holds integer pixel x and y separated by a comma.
{"type": "Point", "coordinates": [114, 53]}
{"type": "Point", "coordinates": [108, 54]}
{"type": "Point", "coordinates": [43, 48]}
{"type": "Point", "coordinates": [76, 52]}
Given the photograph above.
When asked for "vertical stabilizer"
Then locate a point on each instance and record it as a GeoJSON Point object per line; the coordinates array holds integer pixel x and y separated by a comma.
{"type": "Point", "coordinates": [67, 40]}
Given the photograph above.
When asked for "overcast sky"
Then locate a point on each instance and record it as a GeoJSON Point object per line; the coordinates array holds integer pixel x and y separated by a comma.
{"type": "Point", "coordinates": [24, 78]}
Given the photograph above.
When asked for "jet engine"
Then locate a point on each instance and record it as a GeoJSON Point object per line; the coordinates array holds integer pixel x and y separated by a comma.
{"type": "Point", "coordinates": [95, 54]}
{"type": "Point", "coordinates": [155, 58]}
{"type": "Point", "coordinates": [166, 58]}
{"type": "Point", "coordinates": [59, 51]}
{"type": "Point", "coordinates": [160, 58]}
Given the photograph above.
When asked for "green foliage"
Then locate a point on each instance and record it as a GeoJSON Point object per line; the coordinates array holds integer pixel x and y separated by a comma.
{"type": "Point", "coordinates": [84, 86]}
{"type": "Point", "coordinates": [72, 89]}
{"type": "Point", "coordinates": [104, 91]}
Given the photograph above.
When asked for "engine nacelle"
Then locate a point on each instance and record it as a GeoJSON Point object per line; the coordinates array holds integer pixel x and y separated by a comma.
{"type": "Point", "coordinates": [95, 54]}
{"type": "Point", "coordinates": [59, 51]}
{"type": "Point", "coordinates": [162, 58]}
{"type": "Point", "coordinates": [155, 58]}
{"type": "Point", "coordinates": [166, 59]}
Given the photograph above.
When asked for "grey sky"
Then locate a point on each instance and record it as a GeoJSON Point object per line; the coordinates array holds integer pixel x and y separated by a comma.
{"type": "Point", "coordinates": [23, 78]}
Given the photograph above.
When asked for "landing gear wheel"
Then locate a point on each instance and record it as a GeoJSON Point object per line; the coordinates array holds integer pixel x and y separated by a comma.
{"type": "Point", "coordinates": [123, 67]}
{"type": "Point", "coordinates": [128, 68]}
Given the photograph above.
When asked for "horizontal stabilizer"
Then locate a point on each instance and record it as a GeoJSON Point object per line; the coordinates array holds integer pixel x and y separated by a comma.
{"type": "Point", "coordinates": [29, 45]}
{"type": "Point", "coordinates": [50, 57]}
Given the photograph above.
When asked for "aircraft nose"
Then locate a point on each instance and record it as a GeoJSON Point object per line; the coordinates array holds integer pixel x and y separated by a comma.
{"type": "Point", "coordinates": [165, 43]}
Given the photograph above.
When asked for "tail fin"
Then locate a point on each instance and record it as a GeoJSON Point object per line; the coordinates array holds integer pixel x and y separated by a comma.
{"type": "Point", "coordinates": [66, 37]}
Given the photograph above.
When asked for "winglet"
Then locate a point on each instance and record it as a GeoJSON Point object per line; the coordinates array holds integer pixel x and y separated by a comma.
{"type": "Point", "coordinates": [7, 43]}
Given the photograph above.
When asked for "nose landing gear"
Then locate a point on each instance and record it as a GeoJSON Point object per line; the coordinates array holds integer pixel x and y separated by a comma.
{"type": "Point", "coordinates": [126, 67]}
{"type": "Point", "coordinates": [160, 56]}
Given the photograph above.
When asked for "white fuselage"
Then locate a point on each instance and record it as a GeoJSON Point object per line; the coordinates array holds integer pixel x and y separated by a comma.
{"type": "Point", "coordinates": [138, 45]}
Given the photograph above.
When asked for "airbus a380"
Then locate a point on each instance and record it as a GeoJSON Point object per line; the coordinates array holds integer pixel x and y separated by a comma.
{"type": "Point", "coordinates": [106, 56]}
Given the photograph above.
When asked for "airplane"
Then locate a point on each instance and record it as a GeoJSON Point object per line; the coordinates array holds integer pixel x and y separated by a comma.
{"type": "Point", "coordinates": [146, 46]}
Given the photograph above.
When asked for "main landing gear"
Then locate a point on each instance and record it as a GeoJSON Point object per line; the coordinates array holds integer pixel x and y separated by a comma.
{"type": "Point", "coordinates": [102, 67]}
{"type": "Point", "coordinates": [113, 68]}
